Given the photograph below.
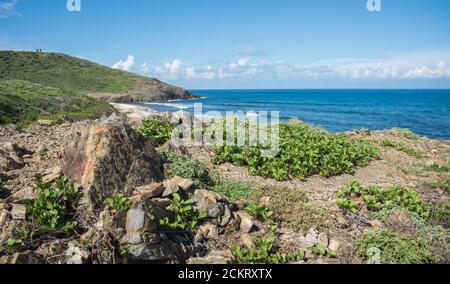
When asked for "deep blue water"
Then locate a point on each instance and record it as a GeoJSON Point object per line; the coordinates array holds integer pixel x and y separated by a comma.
{"type": "Point", "coordinates": [426, 112]}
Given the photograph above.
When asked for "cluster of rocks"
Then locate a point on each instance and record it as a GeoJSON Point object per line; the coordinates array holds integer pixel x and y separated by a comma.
{"type": "Point", "coordinates": [106, 157]}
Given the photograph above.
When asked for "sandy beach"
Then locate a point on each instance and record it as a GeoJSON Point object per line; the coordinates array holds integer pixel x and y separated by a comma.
{"type": "Point", "coordinates": [134, 111]}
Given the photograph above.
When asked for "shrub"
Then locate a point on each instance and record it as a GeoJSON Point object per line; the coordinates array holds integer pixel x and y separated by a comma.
{"type": "Point", "coordinates": [403, 148]}
{"type": "Point", "coordinates": [189, 168]}
{"type": "Point", "coordinates": [118, 202]}
{"type": "Point", "coordinates": [395, 248]}
{"type": "Point", "coordinates": [259, 211]}
{"type": "Point", "coordinates": [54, 206]}
{"type": "Point", "coordinates": [157, 130]}
{"type": "Point", "coordinates": [264, 252]}
{"type": "Point", "coordinates": [438, 168]}
{"type": "Point", "coordinates": [376, 199]}
{"type": "Point", "coordinates": [236, 190]}
{"type": "Point", "coordinates": [406, 133]}
{"type": "Point", "coordinates": [186, 216]}
{"type": "Point", "coordinates": [303, 152]}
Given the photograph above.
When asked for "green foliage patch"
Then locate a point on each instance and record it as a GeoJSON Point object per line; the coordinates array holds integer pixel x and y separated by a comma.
{"type": "Point", "coordinates": [186, 216]}
{"type": "Point", "coordinates": [54, 206]}
{"type": "Point", "coordinates": [259, 211]}
{"type": "Point", "coordinates": [236, 190]}
{"type": "Point", "coordinates": [190, 168]}
{"type": "Point", "coordinates": [118, 202]}
{"type": "Point", "coordinates": [377, 199]}
{"type": "Point", "coordinates": [157, 130]}
{"type": "Point", "coordinates": [304, 151]}
{"type": "Point", "coordinates": [395, 248]}
{"type": "Point", "coordinates": [403, 148]}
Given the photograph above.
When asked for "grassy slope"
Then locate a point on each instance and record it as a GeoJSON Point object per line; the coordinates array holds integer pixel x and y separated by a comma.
{"type": "Point", "coordinates": [35, 84]}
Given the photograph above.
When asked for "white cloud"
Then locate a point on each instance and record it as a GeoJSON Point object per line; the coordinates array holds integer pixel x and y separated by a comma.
{"type": "Point", "coordinates": [8, 8]}
{"type": "Point", "coordinates": [241, 63]}
{"type": "Point", "coordinates": [439, 71]}
{"type": "Point", "coordinates": [124, 65]}
{"type": "Point", "coordinates": [144, 67]}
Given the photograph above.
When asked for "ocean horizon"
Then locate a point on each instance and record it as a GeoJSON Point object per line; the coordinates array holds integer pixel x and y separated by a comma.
{"type": "Point", "coordinates": [423, 111]}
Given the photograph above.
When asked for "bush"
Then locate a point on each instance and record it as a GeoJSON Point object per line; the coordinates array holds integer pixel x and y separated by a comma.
{"type": "Point", "coordinates": [236, 190]}
{"type": "Point", "coordinates": [395, 248]}
{"type": "Point", "coordinates": [303, 152]}
{"type": "Point", "coordinates": [186, 216]}
{"type": "Point", "coordinates": [403, 148]}
{"type": "Point", "coordinates": [157, 130]}
{"type": "Point", "coordinates": [118, 202]}
{"type": "Point", "coordinates": [54, 206]}
{"type": "Point", "coordinates": [377, 199]}
{"type": "Point", "coordinates": [259, 211]}
{"type": "Point", "coordinates": [190, 168]}
{"type": "Point", "coordinates": [264, 252]}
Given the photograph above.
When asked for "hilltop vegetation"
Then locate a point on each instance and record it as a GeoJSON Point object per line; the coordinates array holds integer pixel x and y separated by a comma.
{"type": "Point", "coordinates": [23, 102]}
{"type": "Point", "coordinates": [35, 84]}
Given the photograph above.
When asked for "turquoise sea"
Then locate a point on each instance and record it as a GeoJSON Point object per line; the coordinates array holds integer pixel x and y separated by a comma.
{"type": "Point", "coordinates": [426, 112]}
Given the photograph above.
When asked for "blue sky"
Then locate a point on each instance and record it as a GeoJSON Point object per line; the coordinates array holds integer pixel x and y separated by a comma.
{"type": "Point", "coordinates": [246, 43]}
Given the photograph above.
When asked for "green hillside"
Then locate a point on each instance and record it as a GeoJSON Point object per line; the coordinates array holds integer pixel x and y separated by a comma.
{"type": "Point", "coordinates": [23, 102]}
{"type": "Point", "coordinates": [65, 72]}
{"type": "Point", "coordinates": [36, 84]}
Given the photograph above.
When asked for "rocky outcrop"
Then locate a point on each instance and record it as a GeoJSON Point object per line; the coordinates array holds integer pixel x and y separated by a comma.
{"type": "Point", "coordinates": [10, 157]}
{"type": "Point", "coordinates": [109, 156]}
{"type": "Point", "coordinates": [151, 90]}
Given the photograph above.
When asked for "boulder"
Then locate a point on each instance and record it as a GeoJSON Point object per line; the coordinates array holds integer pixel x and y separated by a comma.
{"type": "Point", "coordinates": [18, 212]}
{"type": "Point", "coordinates": [109, 156]}
{"type": "Point", "coordinates": [10, 157]}
{"type": "Point", "coordinates": [209, 231]}
{"type": "Point", "coordinates": [246, 222]}
{"type": "Point", "coordinates": [334, 245]}
{"type": "Point", "coordinates": [27, 257]}
{"type": "Point", "coordinates": [23, 195]}
{"type": "Point", "coordinates": [76, 254]}
{"type": "Point", "coordinates": [209, 201]}
{"type": "Point", "coordinates": [322, 239]}
{"type": "Point", "coordinates": [150, 191]}
{"type": "Point", "coordinates": [174, 147]}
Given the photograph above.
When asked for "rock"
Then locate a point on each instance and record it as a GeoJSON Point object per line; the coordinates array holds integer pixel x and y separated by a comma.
{"type": "Point", "coordinates": [109, 146]}
{"type": "Point", "coordinates": [184, 184]}
{"type": "Point", "coordinates": [134, 226]}
{"type": "Point", "coordinates": [76, 254]}
{"type": "Point", "coordinates": [158, 208]}
{"type": "Point", "coordinates": [265, 200]}
{"type": "Point", "coordinates": [334, 245]}
{"type": "Point", "coordinates": [143, 253]}
{"type": "Point", "coordinates": [25, 194]}
{"type": "Point", "coordinates": [246, 222]}
{"type": "Point", "coordinates": [170, 187]}
{"type": "Point", "coordinates": [434, 152]}
{"type": "Point", "coordinates": [52, 252]}
{"type": "Point", "coordinates": [174, 147]}
{"type": "Point", "coordinates": [4, 214]}
{"type": "Point", "coordinates": [27, 257]}
{"type": "Point", "coordinates": [176, 183]}
{"type": "Point", "coordinates": [214, 257]}
{"type": "Point", "coordinates": [9, 157]}
{"type": "Point", "coordinates": [150, 191]}
{"type": "Point", "coordinates": [18, 212]}
{"type": "Point", "coordinates": [305, 243]}
{"type": "Point", "coordinates": [226, 217]}
{"type": "Point", "coordinates": [54, 174]}
{"type": "Point", "coordinates": [208, 201]}
{"type": "Point", "coordinates": [322, 239]}
{"type": "Point", "coordinates": [209, 230]}
{"type": "Point", "coordinates": [246, 240]}
{"type": "Point", "coordinates": [114, 224]}
{"type": "Point", "coordinates": [312, 236]}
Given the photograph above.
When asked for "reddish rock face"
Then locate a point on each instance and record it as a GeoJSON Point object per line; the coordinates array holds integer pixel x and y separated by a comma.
{"type": "Point", "coordinates": [109, 157]}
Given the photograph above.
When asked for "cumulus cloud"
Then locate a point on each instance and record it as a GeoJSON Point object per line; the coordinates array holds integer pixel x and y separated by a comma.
{"type": "Point", "coordinates": [400, 67]}
{"type": "Point", "coordinates": [144, 68]}
{"type": "Point", "coordinates": [124, 65]}
{"type": "Point", "coordinates": [8, 8]}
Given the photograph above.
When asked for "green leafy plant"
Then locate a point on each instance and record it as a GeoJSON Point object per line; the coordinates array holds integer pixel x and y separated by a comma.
{"type": "Point", "coordinates": [377, 199]}
{"type": "Point", "coordinates": [406, 133]}
{"type": "Point", "coordinates": [157, 130]}
{"type": "Point", "coordinates": [259, 211]}
{"type": "Point", "coordinates": [118, 202]}
{"type": "Point", "coordinates": [264, 252]}
{"type": "Point", "coordinates": [403, 148]}
{"type": "Point", "coordinates": [322, 251]}
{"type": "Point", "coordinates": [439, 184]}
{"type": "Point", "coordinates": [395, 248]}
{"type": "Point", "coordinates": [190, 168]}
{"type": "Point", "coordinates": [54, 206]}
{"type": "Point", "coordinates": [14, 243]}
{"type": "Point", "coordinates": [186, 216]}
{"type": "Point", "coordinates": [435, 167]}
{"type": "Point", "coordinates": [303, 152]}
